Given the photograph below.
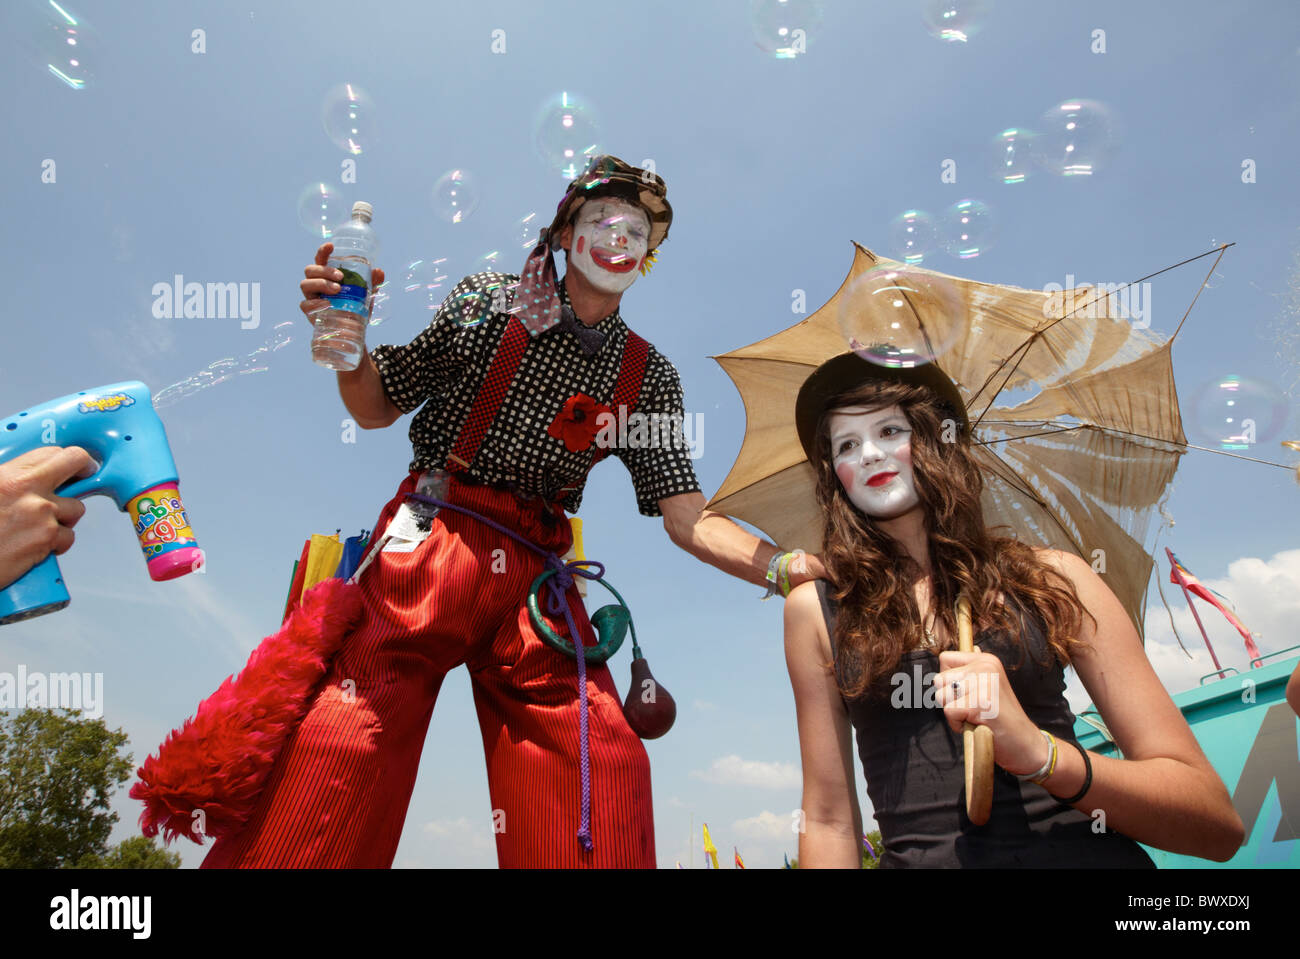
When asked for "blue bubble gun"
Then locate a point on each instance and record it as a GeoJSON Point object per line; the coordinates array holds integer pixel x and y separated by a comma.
{"type": "Point", "coordinates": [118, 426]}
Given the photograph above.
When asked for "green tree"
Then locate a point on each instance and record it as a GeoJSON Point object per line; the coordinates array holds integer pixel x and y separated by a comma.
{"type": "Point", "coordinates": [138, 852]}
{"type": "Point", "coordinates": [57, 774]}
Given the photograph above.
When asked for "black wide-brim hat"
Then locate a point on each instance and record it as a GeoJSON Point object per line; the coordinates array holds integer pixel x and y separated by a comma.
{"type": "Point", "coordinates": [610, 176]}
{"type": "Point", "coordinates": [849, 371]}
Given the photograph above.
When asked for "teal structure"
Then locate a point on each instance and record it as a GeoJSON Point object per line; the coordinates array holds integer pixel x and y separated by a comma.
{"type": "Point", "coordinates": [1250, 735]}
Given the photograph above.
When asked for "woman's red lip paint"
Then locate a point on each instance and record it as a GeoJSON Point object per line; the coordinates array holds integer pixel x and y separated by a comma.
{"type": "Point", "coordinates": [880, 479]}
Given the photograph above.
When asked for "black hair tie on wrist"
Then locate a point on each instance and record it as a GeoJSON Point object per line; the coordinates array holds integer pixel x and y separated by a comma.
{"type": "Point", "coordinates": [1087, 779]}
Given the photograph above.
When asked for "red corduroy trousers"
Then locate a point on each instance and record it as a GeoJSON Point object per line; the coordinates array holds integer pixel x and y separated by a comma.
{"type": "Point", "coordinates": [339, 791]}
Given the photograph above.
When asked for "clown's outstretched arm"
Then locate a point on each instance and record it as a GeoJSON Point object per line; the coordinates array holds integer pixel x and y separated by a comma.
{"type": "Point", "coordinates": [714, 539]}
{"type": "Point", "coordinates": [361, 389]}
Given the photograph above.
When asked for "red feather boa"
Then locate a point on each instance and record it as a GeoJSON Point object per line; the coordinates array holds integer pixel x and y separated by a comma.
{"type": "Point", "coordinates": [219, 761]}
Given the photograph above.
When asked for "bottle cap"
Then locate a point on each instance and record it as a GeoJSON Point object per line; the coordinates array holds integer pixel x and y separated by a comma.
{"type": "Point", "coordinates": [364, 209]}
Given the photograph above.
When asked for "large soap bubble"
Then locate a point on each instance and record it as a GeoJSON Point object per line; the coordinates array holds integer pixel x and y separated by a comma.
{"type": "Point", "coordinates": [953, 21]}
{"type": "Point", "coordinates": [321, 208]}
{"type": "Point", "coordinates": [782, 27]}
{"type": "Point", "coordinates": [455, 195]}
{"type": "Point", "coordinates": [1012, 155]}
{"type": "Point", "coordinates": [1078, 137]}
{"type": "Point", "coordinates": [913, 236]}
{"type": "Point", "coordinates": [895, 315]}
{"type": "Point", "coordinates": [349, 117]}
{"type": "Point", "coordinates": [67, 45]}
{"type": "Point", "coordinates": [1237, 412]}
{"type": "Point", "coordinates": [967, 229]}
{"type": "Point", "coordinates": [567, 134]}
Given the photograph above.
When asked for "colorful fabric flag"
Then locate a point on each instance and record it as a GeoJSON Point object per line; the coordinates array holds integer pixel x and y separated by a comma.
{"type": "Point", "coordinates": [867, 842]}
{"type": "Point", "coordinates": [710, 850]}
{"type": "Point", "coordinates": [740, 863]}
{"type": "Point", "coordinates": [295, 585]}
{"type": "Point", "coordinates": [679, 864]}
{"type": "Point", "coordinates": [787, 861]}
{"type": "Point", "coordinates": [322, 559]}
{"type": "Point", "coordinates": [354, 551]}
{"type": "Point", "coordinates": [1180, 575]}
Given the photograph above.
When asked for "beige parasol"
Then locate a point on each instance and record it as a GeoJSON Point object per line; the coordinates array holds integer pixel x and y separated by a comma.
{"type": "Point", "coordinates": [1077, 466]}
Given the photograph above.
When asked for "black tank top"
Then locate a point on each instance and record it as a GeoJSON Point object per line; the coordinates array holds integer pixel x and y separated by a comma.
{"type": "Point", "coordinates": [915, 778]}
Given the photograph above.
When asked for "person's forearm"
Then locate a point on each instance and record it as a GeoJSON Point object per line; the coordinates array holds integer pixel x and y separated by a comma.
{"type": "Point", "coordinates": [716, 540]}
{"type": "Point", "coordinates": [363, 394]}
{"type": "Point", "coordinates": [829, 846]}
{"type": "Point", "coordinates": [1160, 802]}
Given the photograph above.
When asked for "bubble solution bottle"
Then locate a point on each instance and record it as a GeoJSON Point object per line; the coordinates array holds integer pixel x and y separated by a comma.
{"type": "Point", "coordinates": [340, 337]}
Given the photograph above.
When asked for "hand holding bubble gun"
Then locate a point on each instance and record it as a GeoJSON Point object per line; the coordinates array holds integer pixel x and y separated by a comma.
{"type": "Point", "coordinates": [130, 461]}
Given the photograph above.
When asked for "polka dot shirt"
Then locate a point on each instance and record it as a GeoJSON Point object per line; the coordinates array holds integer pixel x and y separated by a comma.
{"type": "Point", "coordinates": [444, 366]}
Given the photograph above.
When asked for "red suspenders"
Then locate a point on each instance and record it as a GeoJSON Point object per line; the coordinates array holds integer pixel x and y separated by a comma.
{"type": "Point", "coordinates": [501, 373]}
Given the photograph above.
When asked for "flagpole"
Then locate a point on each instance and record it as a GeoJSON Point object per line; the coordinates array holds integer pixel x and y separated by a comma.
{"type": "Point", "coordinates": [1182, 584]}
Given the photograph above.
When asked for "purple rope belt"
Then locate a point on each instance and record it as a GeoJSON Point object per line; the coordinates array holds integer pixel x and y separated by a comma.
{"type": "Point", "coordinates": [557, 585]}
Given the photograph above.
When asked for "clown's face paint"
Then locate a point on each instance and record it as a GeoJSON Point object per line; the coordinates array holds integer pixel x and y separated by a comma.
{"type": "Point", "coordinates": [872, 456]}
{"type": "Point", "coordinates": [610, 237]}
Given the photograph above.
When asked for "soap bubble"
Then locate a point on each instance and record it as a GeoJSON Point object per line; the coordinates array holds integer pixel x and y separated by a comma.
{"type": "Point", "coordinates": [227, 368]}
{"type": "Point", "coordinates": [967, 229]}
{"type": "Point", "coordinates": [567, 134]}
{"type": "Point", "coordinates": [422, 284]}
{"type": "Point", "coordinates": [67, 46]}
{"type": "Point", "coordinates": [782, 27]}
{"type": "Point", "coordinates": [349, 117]}
{"type": "Point", "coordinates": [898, 316]}
{"type": "Point", "coordinates": [954, 21]}
{"type": "Point", "coordinates": [526, 229]}
{"type": "Point", "coordinates": [1236, 412]}
{"type": "Point", "coordinates": [1078, 136]}
{"type": "Point", "coordinates": [1013, 155]}
{"type": "Point", "coordinates": [320, 209]}
{"type": "Point", "coordinates": [455, 195]}
{"type": "Point", "coordinates": [494, 261]}
{"type": "Point", "coordinates": [475, 307]}
{"type": "Point", "coordinates": [913, 236]}
{"type": "Point", "coordinates": [379, 303]}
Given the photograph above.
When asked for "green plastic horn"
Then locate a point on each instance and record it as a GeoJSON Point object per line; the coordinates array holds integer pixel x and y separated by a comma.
{"type": "Point", "coordinates": [611, 623]}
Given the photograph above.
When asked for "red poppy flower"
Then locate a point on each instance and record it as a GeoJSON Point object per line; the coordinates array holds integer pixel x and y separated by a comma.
{"type": "Point", "coordinates": [578, 422]}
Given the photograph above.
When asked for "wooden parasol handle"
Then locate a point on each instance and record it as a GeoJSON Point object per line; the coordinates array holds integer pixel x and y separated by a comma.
{"type": "Point", "coordinates": [977, 741]}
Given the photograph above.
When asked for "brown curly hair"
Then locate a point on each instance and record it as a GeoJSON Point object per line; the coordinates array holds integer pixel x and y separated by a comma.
{"type": "Point", "coordinates": [872, 574]}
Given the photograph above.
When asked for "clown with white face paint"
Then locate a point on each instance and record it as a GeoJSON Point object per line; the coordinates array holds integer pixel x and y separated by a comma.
{"type": "Point", "coordinates": [610, 242]}
{"type": "Point", "coordinates": [501, 457]}
{"type": "Point", "coordinates": [872, 455]}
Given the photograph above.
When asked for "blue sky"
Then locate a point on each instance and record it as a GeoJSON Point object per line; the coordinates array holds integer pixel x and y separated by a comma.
{"type": "Point", "coordinates": [170, 161]}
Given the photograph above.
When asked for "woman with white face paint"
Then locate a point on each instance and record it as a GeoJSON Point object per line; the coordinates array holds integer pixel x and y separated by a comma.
{"type": "Point", "coordinates": [873, 650]}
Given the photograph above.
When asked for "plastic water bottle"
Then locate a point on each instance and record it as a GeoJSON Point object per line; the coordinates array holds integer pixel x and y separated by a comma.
{"type": "Point", "coordinates": [340, 338]}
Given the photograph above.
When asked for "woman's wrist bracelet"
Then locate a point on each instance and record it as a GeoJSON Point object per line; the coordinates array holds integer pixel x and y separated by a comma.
{"type": "Point", "coordinates": [1087, 778]}
{"type": "Point", "coordinates": [793, 558]}
{"type": "Point", "coordinates": [773, 565]}
{"type": "Point", "coordinates": [783, 574]}
{"type": "Point", "coordinates": [1049, 764]}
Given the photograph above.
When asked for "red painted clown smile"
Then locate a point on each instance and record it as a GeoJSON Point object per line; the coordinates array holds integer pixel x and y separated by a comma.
{"type": "Point", "coordinates": [614, 262]}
